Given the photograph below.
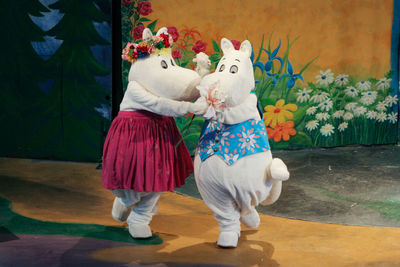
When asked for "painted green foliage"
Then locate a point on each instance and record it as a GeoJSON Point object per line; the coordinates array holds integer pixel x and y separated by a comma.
{"type": "Point", "coordinates": [20, 71]}
{"type": "Point", "coordinates": [71, 128]}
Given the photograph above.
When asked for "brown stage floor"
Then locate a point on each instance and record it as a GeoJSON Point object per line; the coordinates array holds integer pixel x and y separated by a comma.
{"type": "Point", "coordinates": [72, 192]}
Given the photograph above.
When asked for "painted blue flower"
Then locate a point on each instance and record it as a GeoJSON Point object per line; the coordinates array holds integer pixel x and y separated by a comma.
{"type": "Point", "coordinates": [293, 77]}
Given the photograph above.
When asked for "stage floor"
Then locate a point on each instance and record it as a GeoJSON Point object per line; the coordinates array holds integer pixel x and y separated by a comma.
{"type": "Point", "coordinates": [57, 214]}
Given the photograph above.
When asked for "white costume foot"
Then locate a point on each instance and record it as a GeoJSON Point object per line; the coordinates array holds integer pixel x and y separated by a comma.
{"type": "Point", "coordinates": [228, 239]}
{"type": "Point", "coordinates": [140, 231]}
{"type": "Point", "coordinates": [251, 220]}
{"type": "Point", "coordinates": [279, 170]}
{"type": "Point", "coordinates": [119, 211]}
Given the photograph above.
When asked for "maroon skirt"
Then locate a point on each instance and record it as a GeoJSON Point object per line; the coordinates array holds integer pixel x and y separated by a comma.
{"type": "Point", "coordinates": [141, 152]}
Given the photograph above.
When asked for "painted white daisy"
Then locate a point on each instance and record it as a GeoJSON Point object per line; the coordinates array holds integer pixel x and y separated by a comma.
{"type": "Point", "coordinates": [391, 100]}
{"type": "Point", "coordinates": [303, 95]}
{"type": "Point", "coordinates": [326, 105]}
{"type": "Point", "coordinates": [383, 84]}
{"type": "Point", "coordinates": [338, 114]}
{"type": "Point", "coordinates": [363, 85]}
{"type": "Point", "coordinates": [322, 116]}
{"type": "Point", "coordinates": [350, 106]}
{"type": "Point", "coordinates": [351, 91]}
{"type": "Point", "coordinates": [358, 111]}
{"type": "Point", "coordinates": [319, 97]}
{"type": "Point", "coordinates": [381, 106]}
{"type": "Point", "coordinates": [381, 117]}
{"type": "Point", "coordinates": [343, 126]}
{"type": "Point", "coordinates": [370, 94]}
{"type": "Point", "coordinates": [311, 110]}
{"type": "Point", "coordinates": [312, 125]}
{"type": "Point", "coordinates": [372, 114]}
{"type": "Point", "coordinates": [327, 130]}
{"type": "Point", "coordinates": [392, 117]}
{"type": "Point", "coordinates": [342, 79]}
{"type": "Point", "coordinates": [348, 116]}
{"type": "Point", "coordinates": [367, 100]}
{"type": "Point", "coordinates": [325, 77]}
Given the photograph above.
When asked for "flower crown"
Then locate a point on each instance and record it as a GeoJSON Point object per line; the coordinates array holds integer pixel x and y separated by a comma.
{"type": "Point", "coordinates": [157, 44]}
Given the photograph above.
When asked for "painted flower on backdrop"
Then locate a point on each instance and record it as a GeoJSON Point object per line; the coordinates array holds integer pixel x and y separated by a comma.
{"type": "Point", "coordinates": [343, 126]}
{"type": "Point", "coordinates": [303, 95]}
{"type": "Point", "coordinates": [312, 125]}
{"type": "Point", "coordinates": [391, 100]}
{"type": "Point", "coordinates": [173, 32]}
{"type": "Point", "coordinates": [281, 131]}
{"type": "Point", "coordinates": [292, 76]}
{"type": "Point", "coordinates": [383, 84]}
{"type": "Point", "coordinates": [342, 79]}
{"type": "Point", "coordinates": [392, 117]}
{"type": "Point", "coordinates": [381, 106]}
{"type": "Point", "coordinates": [325, 77]}
{"type": "Point", "coordinates": [127, 3]}
{"type": "Point", "coordinates": [373, 94]}
{"type": "Point", "coordinates": [138, 31]}
{"type": "Point", "coordinates": [372, 114]}
{"type": "Point", "coordinates": [199, 46]}
{"type": "Point", "coordinates": [348, 116]}
{"type": "Point", "coordinates": [322, 116]}
{"type": "Point", "coordinates": [326, 105]}
{"type": "Point", "coordinates": [358, 111]}
{"type": "Point", "coordinates": [319, 97]}
{"type": "Point", "coordinates": [278, 113]}
{"type": "Point", "coordinates": [311, 110]}
{"type": "Point", "coordinates": [236, 44]}
{"type": "Point", "coordinates": [338, 114]}
{"type": "Point", "coordinates": [176, 53]}
{"type": "Point", "coordinates": [350, 106]}
{"type": "Point", "coordinates": [144, 8]}
{"type": "Point", "coordinates": [351, 91]}
{"type": "Point", "coordinates": [363, 85]}
{"type": "Point", "coordinates": [327, 129]}
{"type": "Point", "coordinates": [367, 100]}
{"type": "Point", "coordinates": [381, 117]}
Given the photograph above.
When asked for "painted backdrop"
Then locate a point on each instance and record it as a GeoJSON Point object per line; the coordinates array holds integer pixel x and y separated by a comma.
{"type": "Point", "coordinates": [325, 70]}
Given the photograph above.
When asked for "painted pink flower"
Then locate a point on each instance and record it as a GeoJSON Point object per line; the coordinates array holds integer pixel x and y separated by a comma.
{"type": "Point", "coordinates": [144, 8]}
{"type": "Point", "coordinates": [199, 46]}
{"type": "Point", "coordinates": [173, 31]}
{"type": "Point", "coordinates": [236, 44]}
{"type": "Point", "coordinates": [138, 31]}
{"type": "Point", "coordinates": [176, 53]}
{"type": "Point", "coordinates": [127, 3]}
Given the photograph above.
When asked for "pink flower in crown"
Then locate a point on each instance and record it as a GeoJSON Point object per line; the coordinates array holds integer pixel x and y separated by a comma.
{"type": "Point", "coordinates": [157, 38]}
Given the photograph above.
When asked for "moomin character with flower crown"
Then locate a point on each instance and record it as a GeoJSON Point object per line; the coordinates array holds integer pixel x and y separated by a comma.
{"type": "Point", "coordinates": [143, 155]}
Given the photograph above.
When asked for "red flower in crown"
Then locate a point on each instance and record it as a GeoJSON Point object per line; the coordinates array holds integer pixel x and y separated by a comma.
{"type": "Point", "coordinates": [236, 44]}
{"type": "Point", "coordinates": [199, 46]}
{"type": "Point", "coordinates": [165, 40]}
{"type": "Point", "coordinates": [138, 31]}
{"type": "Point", "coordinates": [144, 8]}
{"type": "Point", "coordinates": [173, 31]}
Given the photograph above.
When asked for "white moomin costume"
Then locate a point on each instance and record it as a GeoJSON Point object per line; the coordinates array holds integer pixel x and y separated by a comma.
{"type": "Point", "coordinates": [233, 166]}
{"type": "Point", "coordinates": [143, 155]}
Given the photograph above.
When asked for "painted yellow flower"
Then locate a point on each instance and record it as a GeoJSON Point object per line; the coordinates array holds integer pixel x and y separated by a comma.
{"type": "Point", "coordinates": [278, 113]}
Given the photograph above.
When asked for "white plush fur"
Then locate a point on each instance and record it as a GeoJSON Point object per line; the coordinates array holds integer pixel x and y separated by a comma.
{"type": "Point", "coordinates": [164, 91]}
{"type": "Point", "coordinates": [232, 192]}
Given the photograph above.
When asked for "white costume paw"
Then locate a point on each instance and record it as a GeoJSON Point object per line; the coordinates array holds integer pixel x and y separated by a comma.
{"type": "Point", "coordinates": [119, 211]}
{"type": "Point", "coordinates": [279, 170]}
{"type": "Point", "coordinates": [203, 64]}
{"type": "Point", "coordinates": [198, 107]}
{"type": "Point", "coordinates": [251, 220]}
{"type": "Point", "coordinates": [140, 231]}
{"type": "Point", "coordinates": [228, 239]}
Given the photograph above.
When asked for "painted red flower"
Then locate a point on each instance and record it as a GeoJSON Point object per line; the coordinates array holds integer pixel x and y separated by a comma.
{"type": "Point", "coordinates": [236, 44]}
{"type": "Point", "coordinates": [199, 46]}
{"type": "Point", "coordinates": [176, 53]}
{"type": "Point", "coordinates": [281, 131]}
{"type": "Point", "coordinates": [173, 31]}
{"type": "Point", "coordinates": [127, 3]}
{"type": "Point", "coordinates": [138, 31]}
{"type": "Point", "coordinates": [144, 8]}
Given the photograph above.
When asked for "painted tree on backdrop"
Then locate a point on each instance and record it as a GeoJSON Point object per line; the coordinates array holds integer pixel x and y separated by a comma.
{"type": "Point", "coordinates": [20, 71]}
{"type": "Point", "coordinates": [72, 129]}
